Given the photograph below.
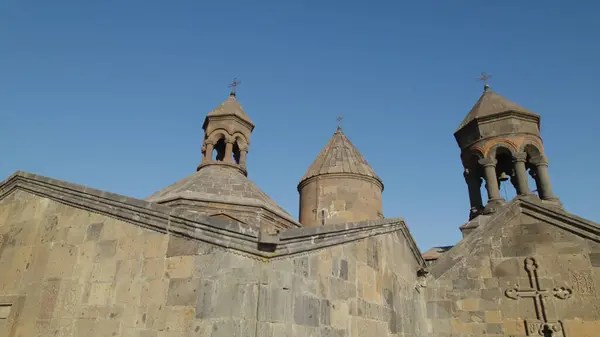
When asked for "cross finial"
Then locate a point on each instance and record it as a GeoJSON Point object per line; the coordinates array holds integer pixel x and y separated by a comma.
{"type": "Point", "coordinates": [233, 85]}
{"type": "Point", "coordinates": [485, 77]}
{"type": "Point", "coordinates": [339, 120]}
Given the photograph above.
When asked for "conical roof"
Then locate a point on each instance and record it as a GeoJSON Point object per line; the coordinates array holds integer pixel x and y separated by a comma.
{"type": "Point", "coordinates": [231, 107]}
{"type": "Point", "coordinates": [491, 103]}
{"type": "Point", "coordinates": [340, 156]}
{"type": "Point", "coordinates": [219, 184]}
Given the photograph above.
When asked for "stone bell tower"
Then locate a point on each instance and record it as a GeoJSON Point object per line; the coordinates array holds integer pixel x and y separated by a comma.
{"type": "Point", "coordinates": [227, 132]}
{"type": "Point", "coordinates": [500, 140]}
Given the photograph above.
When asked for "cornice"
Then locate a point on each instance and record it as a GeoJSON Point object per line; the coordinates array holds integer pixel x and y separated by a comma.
{"type": "Point", "coordinates": [226, 234]}
{"type": "Point", "coordinates": [338, 175]}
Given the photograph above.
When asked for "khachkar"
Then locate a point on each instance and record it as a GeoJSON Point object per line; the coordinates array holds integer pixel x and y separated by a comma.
{"type": "Point", "coordinates": [541, 326]}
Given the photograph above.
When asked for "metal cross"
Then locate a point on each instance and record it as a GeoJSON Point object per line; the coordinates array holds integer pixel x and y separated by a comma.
{"type": "Point", "coordinates": [234, 84]}
{"type": "Point", "coordinates": [484, 77]}
{"type": "Point", "coordinates": [339, 120]}
{"type": "Point", "coordinates": [541, 326]}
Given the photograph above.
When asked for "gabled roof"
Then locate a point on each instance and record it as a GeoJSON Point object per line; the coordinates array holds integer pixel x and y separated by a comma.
{"type": "Point", "coordinates": [340, 156]}
{"type": "Point", "coordinates": [231, 107]}
{"type": "Point", "coordinates": [474, 243]}
{"type": "Point", "coordinates": [491, 103]}
{"type": "Point", "coordinates": [218, 183]}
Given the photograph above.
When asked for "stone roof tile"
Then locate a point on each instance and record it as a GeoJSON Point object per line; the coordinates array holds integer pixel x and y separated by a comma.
{"type": "Point", "coordinates": [231, 107]}
{"type": "Point", "coordinates": [219, 183]}
{"type": "Point", "coordinates": [340, 156]}
{"type": "Point", "coordinates": [491, 103]}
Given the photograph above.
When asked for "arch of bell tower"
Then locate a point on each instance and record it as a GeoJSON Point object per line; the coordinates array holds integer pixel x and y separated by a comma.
{"type": "Point", "coordinates": [227, 132]}
{"type": "Point", "coordinates": [500, 141]}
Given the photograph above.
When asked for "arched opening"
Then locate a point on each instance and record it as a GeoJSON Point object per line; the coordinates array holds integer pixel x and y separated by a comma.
{"type": "Point", "coordinates": [532, 152]}
{"type": "Point", "coordinates": [473, 176]}
{"type": "Point", "coordinates": [236, 152]}
{"type": "Point", "coordinates": [505, 173]}
{"type": "Point", "coordinates": [219, 150]}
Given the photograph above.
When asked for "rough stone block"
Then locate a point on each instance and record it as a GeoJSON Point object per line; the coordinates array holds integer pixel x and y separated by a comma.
{"type": "Point", "coordinates": [306, 310]}
{"type": "Point", "coordinates": [182, 291]}
{"type": "Point", "coordinates": [181, 246]}
{"type": "Point", "coordinates": [94, 231]}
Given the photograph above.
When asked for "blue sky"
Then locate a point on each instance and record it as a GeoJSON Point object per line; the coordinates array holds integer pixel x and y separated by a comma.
{"type": "Point", "coordinates": [112, 94]}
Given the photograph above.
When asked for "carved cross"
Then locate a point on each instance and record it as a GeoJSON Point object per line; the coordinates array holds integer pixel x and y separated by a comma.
{"type": "Point", "coordinates": [541, 326]}
{"type": "Point", "coordinates": [339, 120]}
{"type": "Point", "coordinates": [234, 84]}
{"type": "Point", "coordinates": [485, 77]}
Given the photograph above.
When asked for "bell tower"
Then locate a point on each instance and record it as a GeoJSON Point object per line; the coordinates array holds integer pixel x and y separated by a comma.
{"type": "Point", "coordinates": [227, 132]}
{"type": "Point", "coordinates": [500, 141]}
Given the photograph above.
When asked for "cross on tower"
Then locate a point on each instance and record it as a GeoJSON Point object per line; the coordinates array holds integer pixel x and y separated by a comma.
{"type": "Point", "coordinates": [339, 120]}
{"type": "Point", "coordinates": [485, 77]}
{"type": "Point", "coordinates": [233, 85]}
{"type": "Point", "coordinates": [541, 326]}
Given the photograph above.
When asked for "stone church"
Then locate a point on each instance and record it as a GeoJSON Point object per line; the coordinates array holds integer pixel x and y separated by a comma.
{"type": "Point", "coordinates": [213, 255]}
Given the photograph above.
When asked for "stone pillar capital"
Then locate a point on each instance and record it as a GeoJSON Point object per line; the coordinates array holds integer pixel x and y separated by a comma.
{"type": "Point", "coordinates": [519, 157]}
{"type": "Point", "coordinates": [209, 141]}
{"type": "Point", "coordinates": [486, 162]}
{"type": "Point", "coordinates": [540, 160]}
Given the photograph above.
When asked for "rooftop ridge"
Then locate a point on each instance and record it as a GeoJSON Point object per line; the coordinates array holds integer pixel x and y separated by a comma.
{"type": "Point", "coordinates": [226, 234]}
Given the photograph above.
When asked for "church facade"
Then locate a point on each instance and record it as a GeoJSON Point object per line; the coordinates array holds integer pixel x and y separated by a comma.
{"type": "Point", "coordinates": [213, 255]}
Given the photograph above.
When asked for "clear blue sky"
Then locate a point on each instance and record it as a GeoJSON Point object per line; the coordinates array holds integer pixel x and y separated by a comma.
{"type": "Point", "coordinates": [112, 94]}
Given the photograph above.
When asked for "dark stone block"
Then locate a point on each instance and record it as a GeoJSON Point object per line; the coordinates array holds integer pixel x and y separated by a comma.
{"type": "Point", "coordinates": [180, 246]}
{"type": "Point", "coordinates": [523, 247]}
{"type": "Point", "coordinates": [506, 269]}
{"type": "Point", "coordinates": [182, 292]}
{"type": "Point", "coordinates": [325, 312]}
{"type": "Point", "coordinates": [490, 294]}
{"type": "Point", "coordinates": [373, 254]}
{"type": "Point", "coordinates": [477, 316]}
{"type": "Point", "coordinates": [595, 259]}
{"type": "Point", "coordinates": [94, 230]}
{"type": "Point", "coordinates": [344, 269]}
{"type": "Point", "coordinates": [306, 311]}
{"type": "Point", "coordinates": [494, 328]}
{"type": "Point", "coordinates": [388, 297]}
{"type": "Point", "coordinates": [106, 249]}
{"type": "Point", "coordinates": [464, 284]}
{"type": "Point", "coordinates": [301, 266]}
{"type": "Point", "coordinates": [204, 305]}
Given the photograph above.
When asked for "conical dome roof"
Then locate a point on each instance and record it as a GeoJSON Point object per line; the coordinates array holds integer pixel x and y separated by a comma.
{"type": "Point", "coordinates": [340, 156]}
{"type": "Point", "coordinates": [231, 107]}
{"type": "Point", "coordinates": [491, 103]}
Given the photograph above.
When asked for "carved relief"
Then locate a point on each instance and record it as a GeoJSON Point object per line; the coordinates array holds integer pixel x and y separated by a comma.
{"type": "Point", "coordinates": [582, 283]}
{"type": "Point", "coordinates": [540, 326]}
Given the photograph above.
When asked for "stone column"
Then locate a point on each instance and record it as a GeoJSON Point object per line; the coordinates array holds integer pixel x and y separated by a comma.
{"type": "Point", "coordinates": [474, 184]}
{"type": "Point", "coordinates": [228, 152]}
{"type": "Point", "coordinates": [208, 152]}
{"type": "Point", "coordinates": [522, 184]}
{"type": "Point", "coordinates": [243, 157]}
{"type": "Point", "coordinates": [491, 181]}
{"type": "Point", "coordinates": [544, 187]}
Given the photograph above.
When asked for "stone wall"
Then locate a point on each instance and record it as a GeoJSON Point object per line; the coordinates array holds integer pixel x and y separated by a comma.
{"type": "Point", "coordinates": [360, 289]}
{"type": "Point", "coordinates": [475, 289]}
{"type": "Point", "coordinates": [70, 272]}
{"type": "Point", "coordinates": [340, 199]}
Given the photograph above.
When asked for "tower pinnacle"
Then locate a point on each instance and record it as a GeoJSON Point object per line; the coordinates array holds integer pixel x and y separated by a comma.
{"type": "Point", "coordinates": [484, 77]}
{"type": "Point", "coordinates": [233, 85]}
